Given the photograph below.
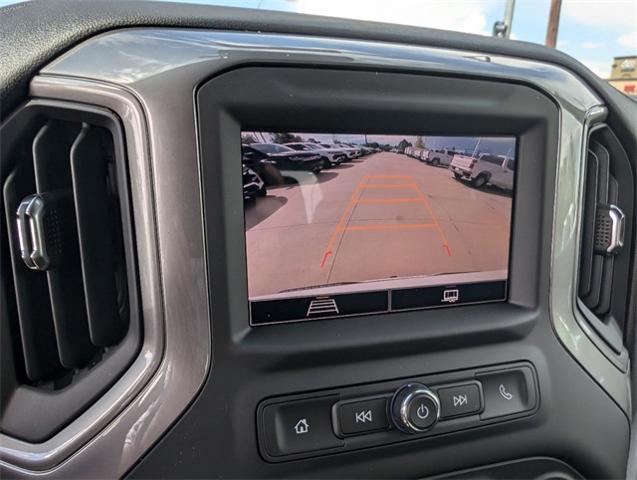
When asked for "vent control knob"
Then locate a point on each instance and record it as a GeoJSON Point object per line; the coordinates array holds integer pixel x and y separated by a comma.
{"type": "Point", "coordinates": [414, 408]}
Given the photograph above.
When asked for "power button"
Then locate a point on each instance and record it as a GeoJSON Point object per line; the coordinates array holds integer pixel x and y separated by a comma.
{"type": "Point", "coordinates": [414, 408]}
{"type": "Point", "coordinates": [422, 411]}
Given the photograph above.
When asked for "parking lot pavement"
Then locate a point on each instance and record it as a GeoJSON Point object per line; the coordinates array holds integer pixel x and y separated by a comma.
{"type": "Point", "coordinates": [378, 217]}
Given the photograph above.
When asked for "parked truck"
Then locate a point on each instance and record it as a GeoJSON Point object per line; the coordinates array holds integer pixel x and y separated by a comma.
{"type": "Point", "coordinates": [497, 170]}
{"type": "Point", "coordinates": [439, 157]}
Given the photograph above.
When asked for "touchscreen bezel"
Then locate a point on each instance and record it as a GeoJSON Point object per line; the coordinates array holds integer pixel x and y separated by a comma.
{"type": "Point", "coordinates": [278, 98]}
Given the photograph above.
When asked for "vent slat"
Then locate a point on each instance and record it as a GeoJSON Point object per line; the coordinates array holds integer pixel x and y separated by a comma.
{"type": "Point", "coordinates": [597, 281]}
{"type": "Point", "coordinates": [604, 172]}
{"type": "Point", "coordinates": [588, 226]}
{"type": "Point", "coordinates": [596, 269]}
{"type": "Point", "coordinates": [51, 158]}
{"type": "Point", "coordinates": [97, 236]}
{"type": "Point", "coordinates": [35, 319]}
{"type": "Point", "coordinates": [604, 304]}
{"type": "Point", "coordinates": [51, 148]}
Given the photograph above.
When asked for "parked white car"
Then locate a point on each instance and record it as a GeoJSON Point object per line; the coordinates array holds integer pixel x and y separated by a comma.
{"type": "Point", "coordinates": [332, 156]}
{"type": "Point", "coordinates": [415, 152]}
{"type": "Point", "coordinates": [497, 170]}
{"type": "Point", "coordinates": [356, 151]}
{"type": "Point", "coordinates": [348, 151]}
{"type": "Point", "coordinates": [424, 154]}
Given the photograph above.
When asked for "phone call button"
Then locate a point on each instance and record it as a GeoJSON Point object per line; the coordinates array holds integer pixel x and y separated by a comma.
{"type": "Point", "coordinates": [508, 392]}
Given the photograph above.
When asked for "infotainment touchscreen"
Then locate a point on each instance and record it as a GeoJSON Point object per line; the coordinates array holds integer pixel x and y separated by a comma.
{"type": "Point", "coordinates": [339, 225]}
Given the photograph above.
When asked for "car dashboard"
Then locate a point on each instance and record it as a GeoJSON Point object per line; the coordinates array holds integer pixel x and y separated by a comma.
{"type": "Point", "coordinates": [208, 379]}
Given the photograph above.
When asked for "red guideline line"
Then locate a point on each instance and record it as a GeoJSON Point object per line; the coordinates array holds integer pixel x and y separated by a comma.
{"type": "Point", "coordinates": [446, 247]}
{"type": "Point", "coordinates": [341, 222]}
{"type": "Point", "coordinates": [325, 257]}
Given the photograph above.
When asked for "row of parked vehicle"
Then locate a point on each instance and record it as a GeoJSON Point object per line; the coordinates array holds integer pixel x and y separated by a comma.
{"type": "Point", "coordinates": [264, 162]}
{"type": "Point", "coordinates": [480, 170]}
{"type": "Point", "coordinates": [438, 157]}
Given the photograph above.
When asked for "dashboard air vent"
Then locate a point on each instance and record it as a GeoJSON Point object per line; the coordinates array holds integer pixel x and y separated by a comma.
{"type": "Point", "coordinates": [68, 276]}
{"type": "Point", "coordinates": [606, 229]}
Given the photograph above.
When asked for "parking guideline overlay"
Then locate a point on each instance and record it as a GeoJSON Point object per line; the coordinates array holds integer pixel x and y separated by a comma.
{"type": "Point", "coordinates": [343, 224]}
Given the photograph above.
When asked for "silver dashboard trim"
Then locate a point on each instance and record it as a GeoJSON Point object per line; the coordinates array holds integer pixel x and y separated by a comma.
{"type": "Point", "coordinates": [46, 455]}
{"type": "Point", "coordinates": [569, 323]}
{"type": "Point", "coordinates": [174, 358]}
{"type": "Point", "coordinates": [149, 76]}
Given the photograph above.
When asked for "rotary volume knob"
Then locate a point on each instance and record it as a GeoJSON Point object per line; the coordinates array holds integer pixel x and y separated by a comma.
{"type": "Point", "coordinates": [414, 408]}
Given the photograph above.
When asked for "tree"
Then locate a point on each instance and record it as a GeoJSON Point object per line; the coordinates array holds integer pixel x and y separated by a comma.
{"type": "Point", "coordinates": [403, 144]}
{"type": "Point", "coordinates": [285, 137]}
{"type": "Point", "coordinates": [419, 143]}
{"type": "Point", "coordinates": [248, 138]}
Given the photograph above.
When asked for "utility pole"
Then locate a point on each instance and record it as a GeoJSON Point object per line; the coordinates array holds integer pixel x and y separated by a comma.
{"type": "Point", "coordinates": [554, 23]}
{"type": "Point", "coordinates": [502, 28]}
{"type": "Point", "coordinates": [508, 17]}
{"type": "Point", "coordinates": [475, 150]}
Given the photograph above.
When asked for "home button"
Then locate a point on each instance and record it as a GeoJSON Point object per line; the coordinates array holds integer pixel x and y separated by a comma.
{"type": "Point", "coordinates": [299, 426]}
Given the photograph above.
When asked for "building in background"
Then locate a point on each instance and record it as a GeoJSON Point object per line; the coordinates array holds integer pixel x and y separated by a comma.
{"type": "Point", "coordinates": [623, 75]}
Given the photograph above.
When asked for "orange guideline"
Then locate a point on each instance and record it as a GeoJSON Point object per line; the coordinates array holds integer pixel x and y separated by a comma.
{"type": "Point", "coordinates": [342, 227]}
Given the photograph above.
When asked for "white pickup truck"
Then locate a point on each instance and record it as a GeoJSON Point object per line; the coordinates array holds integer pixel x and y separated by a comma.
{"type": "Point", "coordinates": [497, 170]}
{"type": "Point", "coordinates": [415, 152]}
{"type": "Point", "coordinates": [440, 157]}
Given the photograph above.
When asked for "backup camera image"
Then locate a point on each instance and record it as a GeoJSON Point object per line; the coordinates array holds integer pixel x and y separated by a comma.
{"type": "Point", "coordinates": [350, 224]}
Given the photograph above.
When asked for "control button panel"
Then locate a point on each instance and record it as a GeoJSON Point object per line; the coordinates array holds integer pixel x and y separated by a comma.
{"type": "Point", "coordinates": [363, 416]}
{"type": "Point", "coordinates": [351, 418]}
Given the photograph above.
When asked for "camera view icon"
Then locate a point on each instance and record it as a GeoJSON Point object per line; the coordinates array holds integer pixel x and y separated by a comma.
{"type": "Point", "coordinates": [451, 295]}
{"type": "Point", "coordinates": [322, 306]}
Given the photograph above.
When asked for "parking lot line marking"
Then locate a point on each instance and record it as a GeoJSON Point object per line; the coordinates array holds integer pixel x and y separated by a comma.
{"type": "Point", "coordinates": [350, 205]}
{"type": "Point", "coordinates": [389, 176]}
{"type": "Point", "coordinates": [390, 186]}
{"type": "Point", "coordinates": [374, 201]}
{"type": "Point", "coordinates": [387, 226]}
{"type": "Point", "coordinates": [445, 242]}
{"type": "Point", "coordinates": [356, 199]}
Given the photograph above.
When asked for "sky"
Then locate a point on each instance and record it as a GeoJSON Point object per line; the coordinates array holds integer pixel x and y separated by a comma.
{"type": "Point", "coordinates": [592, 31]}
